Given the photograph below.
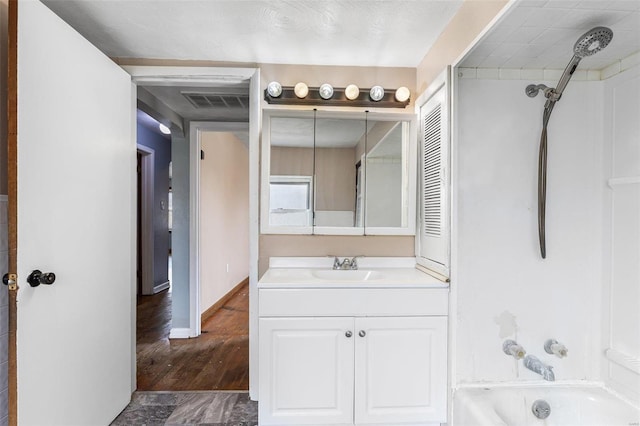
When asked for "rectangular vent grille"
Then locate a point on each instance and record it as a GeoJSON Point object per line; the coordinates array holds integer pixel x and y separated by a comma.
{"type": "Point", "coordinates": [431, 177]}
{"type": "Point", "coordinates": [213, 100]}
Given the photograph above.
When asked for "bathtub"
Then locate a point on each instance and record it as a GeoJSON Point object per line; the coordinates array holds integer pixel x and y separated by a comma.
{"type": "Point", "coordinates": [570, 406]}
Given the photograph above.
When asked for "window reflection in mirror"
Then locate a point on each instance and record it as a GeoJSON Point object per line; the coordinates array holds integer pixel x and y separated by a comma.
{"type": "Point", "coordinates": [338, 173]}
{"type": "Point", "coordinates": [291, 171]}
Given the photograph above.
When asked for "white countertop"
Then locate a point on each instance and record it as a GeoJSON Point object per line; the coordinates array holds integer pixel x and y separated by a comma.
{"type": "Point", "coordinates": [372, 273]}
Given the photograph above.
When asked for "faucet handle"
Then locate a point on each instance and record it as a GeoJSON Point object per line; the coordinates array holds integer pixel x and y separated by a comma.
{"type": "Point", "coordinates": [551, 346]}
{"type": "Point", "coordinates": [354, 261]}
{"type": "Point", "coordinates": [512, 348]}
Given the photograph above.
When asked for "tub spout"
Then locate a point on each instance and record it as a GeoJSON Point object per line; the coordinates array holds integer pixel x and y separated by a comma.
{"type": "Point", "coordinates": [537, 366]}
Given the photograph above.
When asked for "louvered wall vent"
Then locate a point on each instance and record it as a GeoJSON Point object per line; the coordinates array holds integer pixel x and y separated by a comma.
{"type": "Point", "coordinates": [431, 173]}
{"type": "Point", "coordinates": [217, 100]}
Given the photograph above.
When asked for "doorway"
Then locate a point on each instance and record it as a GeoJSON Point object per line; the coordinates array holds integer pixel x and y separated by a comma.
{"type": "Point", "coordinates": [189, 323]}
{"type": "Point", "coordinates": [219, 357]}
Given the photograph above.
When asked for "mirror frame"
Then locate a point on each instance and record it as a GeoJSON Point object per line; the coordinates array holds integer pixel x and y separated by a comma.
{"type": "Point", "coordinates": [410, 149]}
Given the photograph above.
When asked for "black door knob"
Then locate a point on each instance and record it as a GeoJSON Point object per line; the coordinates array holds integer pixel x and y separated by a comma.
{"type": "Point", "coordinates": [38, 277]}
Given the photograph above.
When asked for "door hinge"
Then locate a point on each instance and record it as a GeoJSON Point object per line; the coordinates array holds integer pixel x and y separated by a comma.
{"type": "Point", "coordinates": [11, 281]}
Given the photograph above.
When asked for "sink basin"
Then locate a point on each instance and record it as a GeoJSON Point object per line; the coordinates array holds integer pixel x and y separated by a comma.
{"type": "Point", "coordinates": [347, 275]}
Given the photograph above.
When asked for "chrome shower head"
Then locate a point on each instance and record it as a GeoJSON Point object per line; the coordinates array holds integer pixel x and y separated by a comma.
{"type": "Point", "coordinates": [589, 43]}
{"type": "Point", "coordinates": [592, 41]}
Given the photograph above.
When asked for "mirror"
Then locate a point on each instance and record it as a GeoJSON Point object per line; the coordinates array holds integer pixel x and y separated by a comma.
{"type": "Point", "coordinates": [290, 173]}
{"type": "Point", "coordinates": [338, 173]}
{"type": "Point", "coordinates": [387, 175]}
{"type": "Point", "coordinates": [339, 157]}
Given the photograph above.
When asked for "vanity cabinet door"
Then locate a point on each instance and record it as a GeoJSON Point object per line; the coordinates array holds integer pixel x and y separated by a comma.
{"type": "Point", "coordinates": [400, 370]}
{"type": "Point", "coordinates": [306, 371]}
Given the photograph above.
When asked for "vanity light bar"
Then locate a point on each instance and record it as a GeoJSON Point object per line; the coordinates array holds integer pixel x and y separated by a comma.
{"type": "Point", "coordinates": [288, 97]}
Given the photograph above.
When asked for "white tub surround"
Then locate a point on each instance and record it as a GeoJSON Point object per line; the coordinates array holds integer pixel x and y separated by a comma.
{"type": "Point", "coordinates": [621, 235]}
{"type": "Point", "coordinates": [366, 347]}
{"type": "Point", "coordinates": [575, 405]}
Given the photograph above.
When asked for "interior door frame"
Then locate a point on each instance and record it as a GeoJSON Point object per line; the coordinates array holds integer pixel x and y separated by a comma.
{"type": "Point", "coordinates": [178, 75]}
{"type": "Point", "coordinates": [147, 172]}
{"type": "Point", "coordinates": [195, 147]}
{"type": "Point", "coordinates": [12, 205]}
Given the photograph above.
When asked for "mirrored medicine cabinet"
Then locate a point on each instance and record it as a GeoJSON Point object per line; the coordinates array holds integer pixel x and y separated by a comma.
{"type": "Point", "coordinates": [338, 173]}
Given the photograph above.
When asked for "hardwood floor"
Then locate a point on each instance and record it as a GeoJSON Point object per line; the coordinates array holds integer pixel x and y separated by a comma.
{"type": "Point", "coordinates": [216, 360]}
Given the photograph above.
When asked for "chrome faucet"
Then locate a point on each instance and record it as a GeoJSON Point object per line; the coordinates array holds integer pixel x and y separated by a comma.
{"type": "Point", "coordinates": [537, 366]}
{"type": "Point", "coordinates": [346, 263]}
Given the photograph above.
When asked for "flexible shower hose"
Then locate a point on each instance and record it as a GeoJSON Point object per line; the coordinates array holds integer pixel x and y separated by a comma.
{"type": "Point", "coordinates": [542, 179]}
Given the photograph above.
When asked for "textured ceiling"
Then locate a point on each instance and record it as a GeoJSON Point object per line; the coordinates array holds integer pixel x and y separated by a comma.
{"type": "Point", "coordinates": [393, 33]}
{"type": "Point", "coordinates": [541, 33]}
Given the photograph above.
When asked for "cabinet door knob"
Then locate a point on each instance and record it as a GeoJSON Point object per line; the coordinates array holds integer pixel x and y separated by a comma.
{"type": "Point", "coordinates": [362, 333]}
{"type": "Point", "coordinates": [348, 334]}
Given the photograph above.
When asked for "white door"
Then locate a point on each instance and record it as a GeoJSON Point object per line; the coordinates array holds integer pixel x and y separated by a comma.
{"type": "Point", "coordinates": [432, 239]}
{"type": "Point", "coordinates": [401, 370]}
{"type": "Point", "coordinates": [306, 371]}
{"type": "Point", "coordinates": [75, 201]}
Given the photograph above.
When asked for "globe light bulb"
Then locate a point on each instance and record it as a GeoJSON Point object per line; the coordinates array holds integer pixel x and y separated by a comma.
{"type": "Point", "coordinates": [376, 93]}
{"type": "Point", "coordinates": [402, 94]}
{"type": "Point", "coordinates": [274, 89]}
{"type": "Point", "coordinates": [301, 90]}
{"type": "Point", "coordinates": [326, 91]}
{"type": "Point", "coordinates": [352, 92]}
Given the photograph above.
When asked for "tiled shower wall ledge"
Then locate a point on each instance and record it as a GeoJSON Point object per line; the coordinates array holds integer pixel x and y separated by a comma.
{"type": "Point", "coordinates": [549, 74]}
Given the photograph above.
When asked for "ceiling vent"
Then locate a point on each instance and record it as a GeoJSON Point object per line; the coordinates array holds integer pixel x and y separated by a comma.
{"type": "Point", "coordinates": [217, 100]}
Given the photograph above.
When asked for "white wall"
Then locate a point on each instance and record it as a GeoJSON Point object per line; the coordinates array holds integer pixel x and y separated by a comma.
{"type": "Point", "coordinates": [224, 215]}
{"type": "Point", "coordinates": [470, 20]}
{"type": "Point", "coordinates": [621, 224]}
{"type": "Point", "coordinates": [179, 278]}
{"type": "Point", "coordinates": [504, 289]}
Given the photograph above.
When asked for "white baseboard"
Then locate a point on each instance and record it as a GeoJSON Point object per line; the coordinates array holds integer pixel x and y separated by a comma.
{"type": "Point", "coordinates": [181, 333]}
{"type": "Point", "coordinates": [158, 288]}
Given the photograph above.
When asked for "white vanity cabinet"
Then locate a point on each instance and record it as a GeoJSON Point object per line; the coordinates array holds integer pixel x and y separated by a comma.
{"type": "Point", "coordinates": [400, 370]}
{"type": "Point", "coordinates": [306, 371]}
{"type": "Point", "coordinates": [352, 356]}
